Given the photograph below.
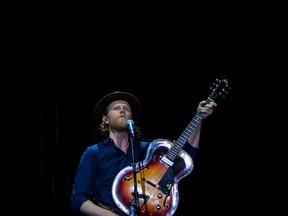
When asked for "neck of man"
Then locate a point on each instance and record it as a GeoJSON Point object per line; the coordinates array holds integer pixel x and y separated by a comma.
{"type": "Point", "coordinates": [121, 140]}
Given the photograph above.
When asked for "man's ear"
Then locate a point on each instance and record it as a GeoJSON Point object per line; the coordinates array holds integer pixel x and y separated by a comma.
{"type": "Point", "coordinates": [105, 119]}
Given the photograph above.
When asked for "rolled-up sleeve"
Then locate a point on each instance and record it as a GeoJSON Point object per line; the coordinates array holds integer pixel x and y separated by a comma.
{"type": "Point", "coordinates": [192, 151]}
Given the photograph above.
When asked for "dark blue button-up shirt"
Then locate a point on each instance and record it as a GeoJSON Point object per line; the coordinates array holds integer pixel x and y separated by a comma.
{"type": "Point", "coordinates": [99, 165]}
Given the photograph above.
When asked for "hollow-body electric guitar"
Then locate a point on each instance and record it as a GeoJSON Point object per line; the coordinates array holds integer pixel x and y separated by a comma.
{"type": "Point", "coordinates": [158, 175]}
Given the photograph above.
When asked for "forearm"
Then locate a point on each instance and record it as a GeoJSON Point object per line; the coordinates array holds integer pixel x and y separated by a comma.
{"type": "Point", "coordinates": [91, 209]}
{"type": "Point", "coordinates": [194, 139]}
{"type": "Point", "coordinates": [206, 109]}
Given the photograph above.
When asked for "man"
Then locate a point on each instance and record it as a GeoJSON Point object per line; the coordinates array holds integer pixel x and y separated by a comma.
{"type": "Point", "coordinates": [95, 188]}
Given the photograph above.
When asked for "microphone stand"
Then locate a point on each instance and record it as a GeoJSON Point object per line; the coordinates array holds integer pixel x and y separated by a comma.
{"type": "Point", "coordinates": [134, 204]}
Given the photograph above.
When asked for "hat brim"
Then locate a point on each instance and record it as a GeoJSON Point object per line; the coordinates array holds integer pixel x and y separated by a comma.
{"type": "Point", "coordinates": [105, 101]}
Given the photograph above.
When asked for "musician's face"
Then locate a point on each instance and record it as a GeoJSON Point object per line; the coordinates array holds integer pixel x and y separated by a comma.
{"type": "Point", "coordinates": [118, 113]}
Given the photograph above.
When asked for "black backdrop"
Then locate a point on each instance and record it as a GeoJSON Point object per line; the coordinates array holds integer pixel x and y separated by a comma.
{"type": "Point", "coordinates": [168, 55]}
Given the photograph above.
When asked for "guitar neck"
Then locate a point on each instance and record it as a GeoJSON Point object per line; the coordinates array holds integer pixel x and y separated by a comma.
{"type": "Point", "coordinates": [221, 88]}
{"type": "Point", "coordinates": [178, 145]}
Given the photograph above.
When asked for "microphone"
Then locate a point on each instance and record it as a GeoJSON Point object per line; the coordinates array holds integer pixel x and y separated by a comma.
{"type": "Point", "coordinates": [130, 126]}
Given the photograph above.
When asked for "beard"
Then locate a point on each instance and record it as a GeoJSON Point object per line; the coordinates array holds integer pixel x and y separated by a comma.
{"type": "Point", "coordinates": [118, 125]}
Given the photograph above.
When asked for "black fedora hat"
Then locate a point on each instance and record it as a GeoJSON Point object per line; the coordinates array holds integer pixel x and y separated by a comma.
{"type": "Point", "coordinates": [104, 102]}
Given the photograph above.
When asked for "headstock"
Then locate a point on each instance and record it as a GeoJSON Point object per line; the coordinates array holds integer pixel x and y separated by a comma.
{"type": "Point", "coordinates": [220, 87]}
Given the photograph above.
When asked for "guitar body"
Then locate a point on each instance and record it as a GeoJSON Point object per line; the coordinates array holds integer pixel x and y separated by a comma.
{"type": "Point", "coordinates": [157, 182]}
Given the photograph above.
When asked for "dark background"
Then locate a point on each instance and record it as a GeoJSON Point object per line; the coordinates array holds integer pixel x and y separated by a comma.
{"type": "Point", "coordinates": [168, 54]}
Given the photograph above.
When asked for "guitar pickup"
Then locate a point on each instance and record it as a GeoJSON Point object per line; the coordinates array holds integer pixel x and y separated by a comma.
{"type": "Point", "coordinates": [167, 161]}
